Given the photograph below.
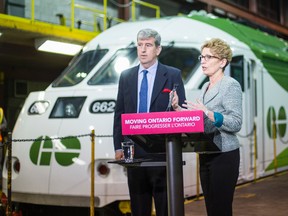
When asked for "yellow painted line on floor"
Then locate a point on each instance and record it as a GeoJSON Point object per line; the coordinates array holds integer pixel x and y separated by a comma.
{"type": "Point", "coordinates": [249, 195]}
{"type": "Point", "coordinates": [193, 200]}
{"type": "Point", "coordinates": [261, 179]}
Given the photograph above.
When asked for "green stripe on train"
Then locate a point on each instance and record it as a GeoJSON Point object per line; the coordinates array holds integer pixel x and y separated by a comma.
{"type": "Point", "coordinates": [272, 51]}
{"type": "Point", "coordinates": [281, 160]}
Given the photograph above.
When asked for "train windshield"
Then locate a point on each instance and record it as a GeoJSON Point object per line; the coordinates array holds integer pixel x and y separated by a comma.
{"type": "Point", "coordinates": [110, 72]}
{"type": "Point", "coordinates": [79, 68]}
{"type": "Point", "coordinates": [186, 59]}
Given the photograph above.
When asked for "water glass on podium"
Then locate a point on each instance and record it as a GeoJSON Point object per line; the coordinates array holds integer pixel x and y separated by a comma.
{"type": "Point", "coordinates": [128, 151]}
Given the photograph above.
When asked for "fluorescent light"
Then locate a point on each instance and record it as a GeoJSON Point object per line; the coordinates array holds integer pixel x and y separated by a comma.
{"type": "Point", "coordinates": [57, 47]}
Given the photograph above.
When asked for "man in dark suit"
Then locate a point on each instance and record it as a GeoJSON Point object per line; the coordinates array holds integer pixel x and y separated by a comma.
{"type": "Point", "coordinates": [146, 182]}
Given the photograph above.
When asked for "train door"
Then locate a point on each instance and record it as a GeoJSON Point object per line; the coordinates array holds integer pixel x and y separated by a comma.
{"type": "Point", "coordinates": [241, 70]}
{"type": "Point", "coordinates": [273, 111]}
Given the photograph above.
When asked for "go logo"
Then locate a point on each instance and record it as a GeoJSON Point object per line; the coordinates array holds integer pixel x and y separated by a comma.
{"type": "Point", "coordinates": [64, 150]}
{"type": "Point", "coordinates": [280, 127]}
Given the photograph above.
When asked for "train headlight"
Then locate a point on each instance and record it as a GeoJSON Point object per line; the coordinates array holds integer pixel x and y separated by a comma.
{"type": "Point", "coordinates": [38, 107]}
{"type": "Point", "coordinates": [15, 166]}
{"type": "Point", "coordinates": [103, 169]}
{"type": "Point", "coordinates": [67, 107]}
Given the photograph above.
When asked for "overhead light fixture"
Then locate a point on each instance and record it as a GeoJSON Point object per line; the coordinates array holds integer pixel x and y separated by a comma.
{"type": "Point", "coordinates": [0, 34]}
{"type": "Point", "coordinates": [64, 48]}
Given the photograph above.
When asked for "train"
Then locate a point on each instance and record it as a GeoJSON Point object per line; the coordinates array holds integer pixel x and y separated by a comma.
{"type": "Point", "coordinates": [51, 139]}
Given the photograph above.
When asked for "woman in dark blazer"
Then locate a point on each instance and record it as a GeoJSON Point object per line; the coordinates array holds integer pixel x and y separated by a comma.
{"type": "Point", "coordinates": [146, 182]}
{"type": "Point", "coordinates": [221, 101]}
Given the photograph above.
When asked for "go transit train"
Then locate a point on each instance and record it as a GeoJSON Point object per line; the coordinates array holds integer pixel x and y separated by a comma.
{"type": "Point", "coordinates": [51, 156]}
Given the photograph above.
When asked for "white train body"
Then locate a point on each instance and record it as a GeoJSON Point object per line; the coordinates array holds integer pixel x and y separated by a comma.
{"type": "Point", "coordinates": [55, 164]}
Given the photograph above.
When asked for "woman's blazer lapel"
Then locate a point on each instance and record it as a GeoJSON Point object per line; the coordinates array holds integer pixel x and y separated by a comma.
{"type": "Point", "coordinates": [209, 95]}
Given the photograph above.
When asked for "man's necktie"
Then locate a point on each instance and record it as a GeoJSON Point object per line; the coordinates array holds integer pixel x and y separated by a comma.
{"type": "Point", "coordinates": [143, 93]}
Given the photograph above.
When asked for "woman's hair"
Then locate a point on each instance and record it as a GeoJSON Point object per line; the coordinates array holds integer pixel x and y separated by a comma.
{"type": "Point", "coordinates": [219, 48]}
{"type": "Point", "coordinates": [148, 33]}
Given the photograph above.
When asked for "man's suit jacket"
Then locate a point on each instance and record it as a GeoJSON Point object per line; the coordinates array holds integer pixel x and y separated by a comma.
{"type": "Point", "coordinates": [166, 77]}
{"type": "Point", "coordinates": [226, 98]}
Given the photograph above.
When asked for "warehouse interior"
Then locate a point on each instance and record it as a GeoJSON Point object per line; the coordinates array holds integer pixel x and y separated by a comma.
{"type": "Point", "coordinates": [24, 23]}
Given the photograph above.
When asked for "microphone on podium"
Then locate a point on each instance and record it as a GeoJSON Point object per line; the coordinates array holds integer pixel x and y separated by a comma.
{"type": "Point", "coordinates": [171, 96]}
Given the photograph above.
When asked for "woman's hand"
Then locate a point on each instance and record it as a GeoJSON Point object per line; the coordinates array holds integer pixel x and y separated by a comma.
{"type": "Point", "coordinates": [195, 106]}
{"type": "Point", "coordinates": [199, 106]}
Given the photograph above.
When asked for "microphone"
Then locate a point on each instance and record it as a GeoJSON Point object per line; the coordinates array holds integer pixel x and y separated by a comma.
{"type": "Point", "coordinates": [171, 96]}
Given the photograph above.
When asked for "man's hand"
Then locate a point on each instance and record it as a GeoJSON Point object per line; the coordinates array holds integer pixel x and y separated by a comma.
{"type": "Point", "coordinates": [119, 154]}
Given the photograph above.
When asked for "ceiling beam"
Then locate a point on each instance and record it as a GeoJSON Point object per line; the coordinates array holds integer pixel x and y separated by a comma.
{"type": "Point", "coordinates": [46, 29]}
{"type": "Point", "coordinates": [246, 14]}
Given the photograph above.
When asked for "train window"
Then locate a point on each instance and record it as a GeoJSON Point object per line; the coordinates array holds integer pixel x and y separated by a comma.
{"type": "Point", "coordinates": [110, 72]}
{"type": "Point", "coordinates": [237, 70]}
{"type": "Point", "coordinates": [79, 68]}
{"type": "Point", "coordinates": [67, 107]}
{"type": "Point", "coordinates": [184, 59]}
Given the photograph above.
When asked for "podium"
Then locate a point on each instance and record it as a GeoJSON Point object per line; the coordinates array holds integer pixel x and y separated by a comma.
{"type": "Point", "coordinates": [175, 129]}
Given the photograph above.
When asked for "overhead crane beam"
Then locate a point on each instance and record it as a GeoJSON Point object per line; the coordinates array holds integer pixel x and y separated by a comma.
{"type": "Point", "coordinates": [46, 29]}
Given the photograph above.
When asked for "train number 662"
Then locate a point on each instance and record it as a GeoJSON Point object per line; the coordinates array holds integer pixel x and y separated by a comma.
{"type": "Point", "coordinates": [103, 106]}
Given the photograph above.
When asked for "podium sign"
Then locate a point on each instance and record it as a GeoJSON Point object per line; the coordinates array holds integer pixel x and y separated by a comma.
{"type": "Point", "coordinates": [149, 128]}
{"type": "Point", "coordinates": [163, 123]}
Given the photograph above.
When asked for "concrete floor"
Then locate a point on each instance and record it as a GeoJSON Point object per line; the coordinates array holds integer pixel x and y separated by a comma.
{"type": "Point", "coordinates": [266, 197]}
